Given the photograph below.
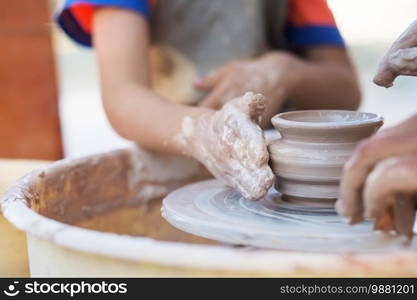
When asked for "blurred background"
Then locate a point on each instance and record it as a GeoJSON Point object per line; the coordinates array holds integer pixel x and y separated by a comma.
{"type": "Point", "coordinates": [368, 27]}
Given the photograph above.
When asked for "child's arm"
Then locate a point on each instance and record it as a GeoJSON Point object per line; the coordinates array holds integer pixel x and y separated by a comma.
{"type": "Point", "coordinates": [228, 142]}
{"type": "Point", "coordinates": [121, 40]}
{"type": "Point", "coordinates": [323, 80]}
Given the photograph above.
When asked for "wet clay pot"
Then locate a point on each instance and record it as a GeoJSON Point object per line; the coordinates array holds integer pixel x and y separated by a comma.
{"type": "Point", "coordinates": [308, 159]}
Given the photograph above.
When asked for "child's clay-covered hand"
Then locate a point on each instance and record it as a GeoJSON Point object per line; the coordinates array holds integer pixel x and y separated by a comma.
{"type": "Point", "coordinates": [230, 143]}
{"type": "Point", "coordinates": [271, 75]}
{"type": "Point", "coordinates": [401, 58]}
{"type": "Point", "coordinates": [380, 179]}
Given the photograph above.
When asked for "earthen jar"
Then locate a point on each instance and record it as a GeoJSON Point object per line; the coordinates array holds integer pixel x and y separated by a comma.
{"type": "Point", "coordinates": [314, 145]}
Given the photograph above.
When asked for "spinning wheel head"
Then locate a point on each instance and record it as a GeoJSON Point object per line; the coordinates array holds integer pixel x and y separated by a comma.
{"type": "Point", "coordinates": [212, 210]}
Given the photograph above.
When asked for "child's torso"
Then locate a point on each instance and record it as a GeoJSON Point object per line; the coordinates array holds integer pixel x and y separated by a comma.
{"type": "Point", "coordinates": [191, 38]}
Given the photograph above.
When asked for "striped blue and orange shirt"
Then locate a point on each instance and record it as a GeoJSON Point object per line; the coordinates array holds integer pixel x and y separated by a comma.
{"type": "Point", "coordinates": [310, 22]}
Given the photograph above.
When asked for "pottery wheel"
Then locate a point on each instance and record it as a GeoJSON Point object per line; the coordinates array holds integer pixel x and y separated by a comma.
{"type": "Point", "coordinates": [215, 211]}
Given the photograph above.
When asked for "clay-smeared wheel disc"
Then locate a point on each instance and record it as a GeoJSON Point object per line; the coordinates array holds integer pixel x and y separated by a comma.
{"type": "Point", "coordinates": [212, 210]}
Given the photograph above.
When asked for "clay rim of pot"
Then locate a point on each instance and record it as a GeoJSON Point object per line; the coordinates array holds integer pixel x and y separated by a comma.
{"type": "Point", "coordinates": [325, 119]}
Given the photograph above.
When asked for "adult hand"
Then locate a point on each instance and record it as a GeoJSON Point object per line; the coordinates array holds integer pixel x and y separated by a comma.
{"type": "Point", "coordinates": [230, 143]}
{"type": "Point", "coordinates": [379, 180]}
{"type": "Point", "coordinates": [401, 58]}
{"type": "Point", "coordinates": [271, 75]}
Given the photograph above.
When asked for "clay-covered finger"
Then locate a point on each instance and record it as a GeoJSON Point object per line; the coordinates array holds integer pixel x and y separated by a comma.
{"type": "Point", "coordinates": [256, 149]}
{"type": "Point", "coordinates": [385, 76]}
{"type": "Point", "coordinates": [364, 158]}
{"type": "Point", "coordinates": [257, 107]}
{"type": "Point", "coordinates": [378, 191]}
{"type": "Point", "coordinates": [349, 205]}
{"type": "Point", "coordinates": [256, 143]}
{"type": "Point", "coordinates": [251, 165]}
{"type": "Point", "coordinates": [404, 61]}
{"type": "Point", "coordinates": [244, 135]}
{"type": "Point", "coordinates": [255, 183]}
{"type": "Point", "coordinates": [250, 104]}
{"type": "Point", "coordinates": [390, 177]}
{"type": "Point", "coordinates": [395, 60]}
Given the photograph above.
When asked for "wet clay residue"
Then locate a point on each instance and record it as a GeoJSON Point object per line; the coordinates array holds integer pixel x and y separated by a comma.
{"type": "Point", "coordinates": [73, 191]}
{"type": "Point", "coordinates": [141, 220]}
